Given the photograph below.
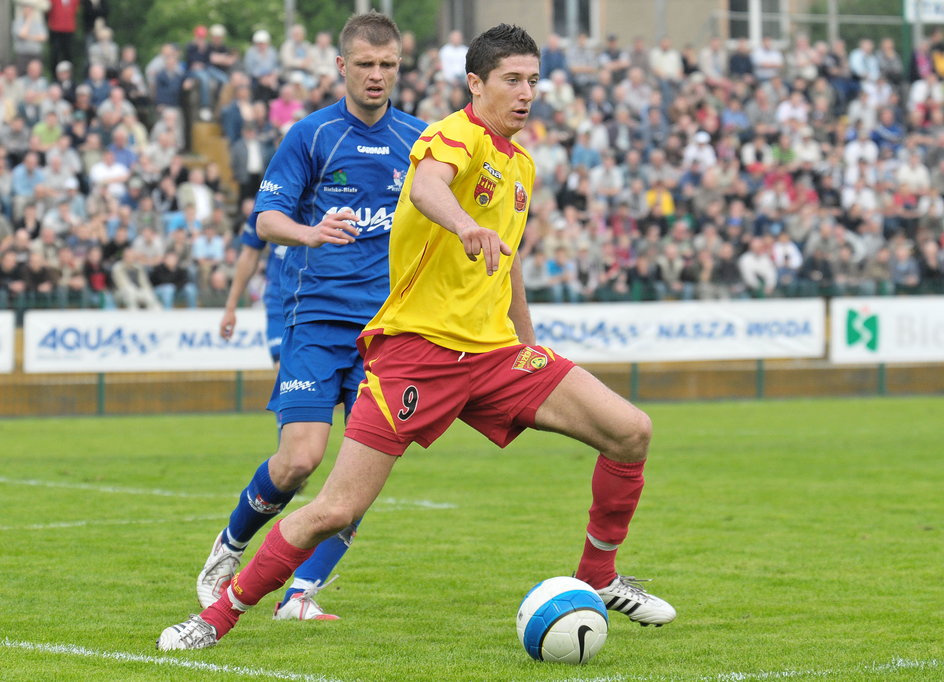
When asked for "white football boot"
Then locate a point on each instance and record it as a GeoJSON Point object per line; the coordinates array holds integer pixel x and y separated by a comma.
{"type": "Point", "coordinates": [194, 633]}
{"type": "Point", "coordinates": [626, 595]}
{"type": "Point", "coordinates": [302, 605]}
{"type": "Point", "coordinates": [218, 572]}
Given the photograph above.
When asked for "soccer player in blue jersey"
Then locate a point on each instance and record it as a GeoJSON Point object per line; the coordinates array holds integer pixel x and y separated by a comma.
{"type": "Point", "coordinates": [328, 195]}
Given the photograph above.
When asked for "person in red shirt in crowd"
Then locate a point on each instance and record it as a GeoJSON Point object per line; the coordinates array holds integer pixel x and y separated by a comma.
{"type": "Point", "coordinates": [61, 22]}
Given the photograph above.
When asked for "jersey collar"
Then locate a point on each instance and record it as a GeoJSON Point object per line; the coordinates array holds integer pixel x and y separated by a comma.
{"type": "Point", "coordinates": [353, 120]}
{"type": "Point", "coordinates": [502, 144]}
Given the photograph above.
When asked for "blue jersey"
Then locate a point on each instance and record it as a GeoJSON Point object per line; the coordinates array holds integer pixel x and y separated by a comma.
{"type": "Point", "coordinates": [329, 161]}
{"type": "Point", "coordinates": [273, 295]}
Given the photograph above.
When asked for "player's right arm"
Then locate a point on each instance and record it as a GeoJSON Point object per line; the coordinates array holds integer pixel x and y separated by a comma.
{"type": "Point", "coordinates": [335, 228]}
{"type": "Point", "coordinates": [432, 195]}
{"type": "Point", "coordinates": [246, 265]}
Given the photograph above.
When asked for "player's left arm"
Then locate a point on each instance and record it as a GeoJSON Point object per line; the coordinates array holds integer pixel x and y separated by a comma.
{"type": "Point", "coordinates": [432, 195]}
{"type": "Point", "coordinates": [518, 310]}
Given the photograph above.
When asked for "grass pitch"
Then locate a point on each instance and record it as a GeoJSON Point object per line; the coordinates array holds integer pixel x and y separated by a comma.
{"type": "Point", "coordinates": [798, 540]}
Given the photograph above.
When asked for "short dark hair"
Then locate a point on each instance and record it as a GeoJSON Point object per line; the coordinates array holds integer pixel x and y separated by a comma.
{"type": "Point", "coordinates": [498, 42]}
{"type": "Point", "coordinates": [376, 28]}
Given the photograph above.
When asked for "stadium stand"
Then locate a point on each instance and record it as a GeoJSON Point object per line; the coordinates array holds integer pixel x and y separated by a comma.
{"type": "Point", "coordinates": [663, 174]}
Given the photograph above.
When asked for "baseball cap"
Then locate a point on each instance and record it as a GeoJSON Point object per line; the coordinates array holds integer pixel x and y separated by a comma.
{"type": "Point", "coordinates": [261, 36]}
{"type": "Point", "coordinates": [702, 137]}
{"type": "Point", "coordinates": [200, 31]}
{"type": "Point", "coordinates": [217, 30]}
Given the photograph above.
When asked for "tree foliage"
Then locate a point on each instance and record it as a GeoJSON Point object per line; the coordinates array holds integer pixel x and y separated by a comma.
{"type": "Point", "coordinates": [149, 23]}
{"type": "Point", "coordinates": [852, 32]}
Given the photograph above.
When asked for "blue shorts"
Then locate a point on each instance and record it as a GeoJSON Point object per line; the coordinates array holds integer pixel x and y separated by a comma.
{"type": "Point", "coordinates": [275, 326]}
{"type": "Point", "coordinates": [320, 368]}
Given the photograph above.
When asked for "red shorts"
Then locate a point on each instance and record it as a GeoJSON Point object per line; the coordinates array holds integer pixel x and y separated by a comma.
{"type": "Point", "coordinates": [415, 389]}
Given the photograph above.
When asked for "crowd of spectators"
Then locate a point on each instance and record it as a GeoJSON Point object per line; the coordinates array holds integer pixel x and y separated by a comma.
{"type": "Point", "coordinates": [699, 173]}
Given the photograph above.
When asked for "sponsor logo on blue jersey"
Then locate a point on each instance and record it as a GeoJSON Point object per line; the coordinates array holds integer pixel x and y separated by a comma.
{"type": "Point", "coordinates": [368, 219]}
{"type": "Point", "coordinates": [366, 149]}
{"type": "Point", "coordinates": [296, 385]}
{"type": "Point", "coordinates": [269, 186]}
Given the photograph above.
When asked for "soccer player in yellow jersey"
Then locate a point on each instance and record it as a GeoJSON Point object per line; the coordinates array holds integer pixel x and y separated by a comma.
{"type": "Point", "coordinates": [454, 340]}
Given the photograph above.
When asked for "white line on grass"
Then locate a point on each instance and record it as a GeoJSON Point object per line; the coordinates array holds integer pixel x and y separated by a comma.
{"type": "Point", "coordinates": [895, 665]}
{"type": "Point", "coordinates": [106, 488]}
{"type": "Point", "coordinates": [113, 522]}
{"type": "Point", "coordinates": [382, 504]}
{"type": "Point", "coordinates": [393, 504]}
{"type": "Point", "coordinates": [122, 657]}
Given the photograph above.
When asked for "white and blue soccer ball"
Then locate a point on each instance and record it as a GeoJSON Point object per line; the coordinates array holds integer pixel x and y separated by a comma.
{"type": "Point", "coordinates": [562, 620]}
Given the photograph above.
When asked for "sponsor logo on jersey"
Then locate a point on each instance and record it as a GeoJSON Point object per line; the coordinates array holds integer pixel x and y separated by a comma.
{"type": "Point", "coordinates": [491, 171]}
{"type": "Point", "coordinates": [484, 190]}
{"type": "Point", "coordinates": [398, 177]}
{"type": "Point", "coordinates": [339, 177]}
{"type": "Point", "coordinates": [269, 186]}
{"type": "Point", "coordinates": [368, 218]}
{"type": "Point", "coordinates": [530, 360]}
{"type": "Point", "coordinates": [364, 149]}
{"type": "Point", "coordinates": [296, 385]}
{"type": "Point", "coordinates": [521, 197]}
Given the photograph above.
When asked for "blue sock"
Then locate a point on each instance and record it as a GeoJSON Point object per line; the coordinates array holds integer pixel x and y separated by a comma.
{"type": "Point", "coordinates": [258, 503]}
{"type": "Point", "coordinates": [321, 563]}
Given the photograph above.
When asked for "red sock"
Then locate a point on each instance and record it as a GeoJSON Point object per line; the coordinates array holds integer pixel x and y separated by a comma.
{"type": "Point", "coordinates": [272, 565]}
{"type": "Point", "coordinates": [616, 489]}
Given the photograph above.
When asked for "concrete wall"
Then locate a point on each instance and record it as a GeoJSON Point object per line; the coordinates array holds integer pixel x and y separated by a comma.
{"type": "Point", "coordinates": [685, 20]}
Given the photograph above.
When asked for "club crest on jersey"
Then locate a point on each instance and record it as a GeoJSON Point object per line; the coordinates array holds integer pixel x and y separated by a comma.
{"type": "Point", "coordinates": [521, 197]}
{"type": "Point", "coordinates": [398, 177]}
{"type": "Point", "coordinates": [484, 190]}
{"type": "Point", "coordinates": [529, 360]}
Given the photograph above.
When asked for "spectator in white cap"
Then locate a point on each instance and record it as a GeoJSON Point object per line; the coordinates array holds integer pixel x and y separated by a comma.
{"type": "Point", "coordinates": [262, 65]}
{"type": "Point", "coordinates": [64, 77]}
{"type": "Point", "coordinates": [221, 56]}
{"type": "Point", "coordinates": [700, 151]}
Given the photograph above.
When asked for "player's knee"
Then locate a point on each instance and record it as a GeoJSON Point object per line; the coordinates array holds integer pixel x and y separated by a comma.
{"type": "Point", "coordinates": [632, 444]}
{"type": "Point", "coordinates": [292, 469]}
{"type": "Point", "coordinates": [333, 519]}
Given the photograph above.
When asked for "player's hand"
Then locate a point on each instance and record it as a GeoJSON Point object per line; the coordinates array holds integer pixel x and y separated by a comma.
{"type": "Point", "coordinates": [481, 240]}
{"type": "Point", "coordinates": [228, 324]}
{"type": "Point", "coordinates": [337, 228]}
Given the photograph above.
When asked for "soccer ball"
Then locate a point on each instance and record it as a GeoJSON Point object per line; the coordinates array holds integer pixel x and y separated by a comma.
{"type": "Point", "coordinates": [562, 620]}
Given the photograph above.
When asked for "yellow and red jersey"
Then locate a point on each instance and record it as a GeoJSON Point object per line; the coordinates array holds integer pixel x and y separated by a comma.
{"type": "Point", "coordinates": [435, 290]}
